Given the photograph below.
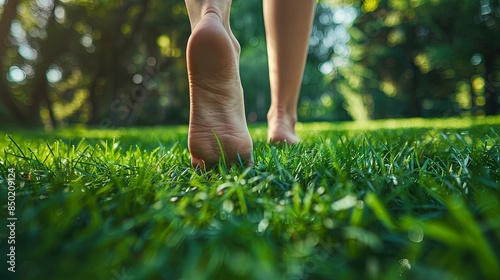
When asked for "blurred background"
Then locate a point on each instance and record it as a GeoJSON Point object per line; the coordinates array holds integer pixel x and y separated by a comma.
{"type": "Point", "coordinates": [110, 63]}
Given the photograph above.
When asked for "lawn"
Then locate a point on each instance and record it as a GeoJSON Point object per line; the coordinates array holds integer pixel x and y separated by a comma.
{"type": "Point", "coordinates": [408, 199]}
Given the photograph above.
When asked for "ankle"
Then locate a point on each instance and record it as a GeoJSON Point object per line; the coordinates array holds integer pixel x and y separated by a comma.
{"type": "Point", "coordinates": [281, 127]}
{"type": "Point", "coordinates": [220, 9]}
{"type": "Point", "coordinates": [197, 10]}
{"type": "Point", "coordinates": [280, 116]}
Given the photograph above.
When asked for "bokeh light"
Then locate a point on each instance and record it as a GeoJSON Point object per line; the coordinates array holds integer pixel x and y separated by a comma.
{"type": "Point", "coordinates": [27, 52]}
{"type": "Point", "coordinates": [16, 74]}
{"type": "Point", "coordinates": [476, 59]}
{"type": "Point", "coordinates": [54, 74]}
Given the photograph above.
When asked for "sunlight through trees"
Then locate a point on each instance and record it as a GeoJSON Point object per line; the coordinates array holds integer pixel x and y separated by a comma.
{"type": "Point", "coordinates": [119, 63]}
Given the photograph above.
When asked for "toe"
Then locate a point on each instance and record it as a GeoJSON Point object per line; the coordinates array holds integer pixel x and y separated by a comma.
{"type": "Point", "coordinates": [197, 162]}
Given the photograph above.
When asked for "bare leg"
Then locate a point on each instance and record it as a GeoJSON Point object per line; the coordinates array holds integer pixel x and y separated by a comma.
{"type": "Point", "coordinates": [288, 25]}
{"type": "Point", "coordinates": [216, 94]}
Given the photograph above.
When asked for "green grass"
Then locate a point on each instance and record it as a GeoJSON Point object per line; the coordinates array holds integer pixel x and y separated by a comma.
{"type": "Point", "coordinates": [410, 199]}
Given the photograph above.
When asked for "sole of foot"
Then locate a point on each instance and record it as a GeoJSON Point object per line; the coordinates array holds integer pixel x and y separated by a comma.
{"type": "Point", "coordinates": [217, 124]}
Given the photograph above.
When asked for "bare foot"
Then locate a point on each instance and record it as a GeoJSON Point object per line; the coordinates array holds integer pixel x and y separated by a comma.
{"type": "Point", "coordinates": [216, 96]}
{"type": "Point", "coordinates": [281, 128]}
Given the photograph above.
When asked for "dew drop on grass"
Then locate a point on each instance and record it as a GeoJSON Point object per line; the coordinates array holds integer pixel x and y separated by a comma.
{"type": "Point", "coordinates": [202, 196]}
{"type": "Point", "coordinates": [228, 206]}
{"type": "Point", "coordinates": [158, 205]}
{"type": "Point", "coordinates": [320, 190]}
{"type": "Point", "coordinates": [312, 239]}
{"type": "Point", "coordinates": [416, 234]}
{"type": "Point", "coordinates": [215, 224]}
{"type": "Point", "coordinates": [263, 225]}
{"type": "Point", "coordinates": [223, 215]}
{"type": "Point", "coordinates": [394, 180]}
{"type": "Point", "coordinates": [404, 265]}
{"type": "Point", "coordinates": [344, 203]}
{"type": "Point", "coordinates": [360, 204]}
{"type": "Point", "coordinates": [318, 207]}
{"type": "Point", "coordinates": [328, 223]}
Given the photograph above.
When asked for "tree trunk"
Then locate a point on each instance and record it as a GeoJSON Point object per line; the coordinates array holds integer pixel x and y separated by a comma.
{"type": "Point", "coordinates": [11, 105]}
{"type": "Point", "coordinates": [491, 62]}
{"type": "Point", "coordinates": [414, 92]}
{"type": "Point", "coordinates": [9, 13]}
{"type": "Point", "coordinates": [94, 102]}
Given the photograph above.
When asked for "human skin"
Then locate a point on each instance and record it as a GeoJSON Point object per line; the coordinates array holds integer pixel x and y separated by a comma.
{"type": "Point", "coordinates": [288, 25]}
{"type": "Point", "coordinates": [217, 124]}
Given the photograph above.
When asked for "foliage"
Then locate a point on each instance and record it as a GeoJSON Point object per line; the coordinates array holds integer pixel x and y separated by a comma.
{"type": "Point", "coordinates": [107, 63]}
{"type": "Point", "coordinates": [412, 198]}
{"type": "Point", "coordinates": [122, 63]}
{"type": "Point", "coordinates": [434, 57]}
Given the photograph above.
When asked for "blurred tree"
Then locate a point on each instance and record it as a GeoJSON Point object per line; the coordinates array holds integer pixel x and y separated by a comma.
{"type": "Point", "coordinates": [122, 62]}
{"type": "Point", "coordinates": [99, 62]}
{"type": "Point", "coordinates": [420, 53]}
{"type": "Point", "coordinates": [8, 15]}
